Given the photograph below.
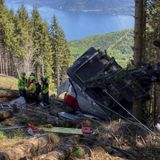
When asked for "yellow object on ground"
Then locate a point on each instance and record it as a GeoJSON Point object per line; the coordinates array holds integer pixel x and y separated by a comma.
{"type": "Point", "coordinates": [62, 96]}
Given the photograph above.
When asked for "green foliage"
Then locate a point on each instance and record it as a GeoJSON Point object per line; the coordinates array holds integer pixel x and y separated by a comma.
{"type": "Point", "coordinates": [117, 44]}
{"type": "Point", "coordinates": [2, 136]}
{"type": "Point", "coordinates": [60, 52]}
{"type": "Point", "coordinates": [16, 133]}
{"type": "Point", "coordinates": [78, 153]}
{"type": "Point", "coordinates": [41, 44]}
{"type": "Point", "coordinates": [23, 32]}
{"type": "Point", "coordinates": [122, 59]}
{"type": "Point", "coordinates": [8, 28]}
{"type": "Point", "coordinates": [29, 40]}
{"type": "Point", "coordinates": [152, 31]}
{"type": "Point", "coordinates": [1, 2]}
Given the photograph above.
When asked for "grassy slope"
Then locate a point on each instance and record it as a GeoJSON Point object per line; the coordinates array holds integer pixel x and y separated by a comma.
{"type": "Point", "coordinates": [118, 44]}
{"type": "Point", "coordinates": [8, 83]}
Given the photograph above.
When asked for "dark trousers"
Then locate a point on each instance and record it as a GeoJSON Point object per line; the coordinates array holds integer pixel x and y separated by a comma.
{"type": "Point", "coordinates": [33, 97]}
{"type": "Point", "coordinates": [45, 98]}
{"type": "Point", "coordinates": [23, 93]}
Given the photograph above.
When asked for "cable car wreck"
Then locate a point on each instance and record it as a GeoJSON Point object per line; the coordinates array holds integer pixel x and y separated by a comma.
{"type": "Point", "coordinates": [102, 87]}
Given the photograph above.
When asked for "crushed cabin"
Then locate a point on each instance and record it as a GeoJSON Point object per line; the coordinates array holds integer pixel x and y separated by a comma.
{"type": "Point", "coordinates": [102, 87]}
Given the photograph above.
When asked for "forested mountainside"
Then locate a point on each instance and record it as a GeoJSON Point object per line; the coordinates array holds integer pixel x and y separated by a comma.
{"type": "Point", "coordinates": [29, 44]}
{"type": "Point", "coordinates": [117, 44]}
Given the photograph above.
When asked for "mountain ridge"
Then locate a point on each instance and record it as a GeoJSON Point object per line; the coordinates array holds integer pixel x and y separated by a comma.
{"type": "Point", "coordinates": [118, 45]}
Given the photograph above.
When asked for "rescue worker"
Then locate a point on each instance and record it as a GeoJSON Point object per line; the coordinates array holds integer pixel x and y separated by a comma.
{"type": "Point", "coordinates": [31, 77]}
{"type": "Point", "coordinates": [38, 91]}
{"type": "Point", "coordinates": [45, 90]}
{"type": "Point", "coordinates": [31, 96]}
{"type": "Point", "coordinates": [22, 84]}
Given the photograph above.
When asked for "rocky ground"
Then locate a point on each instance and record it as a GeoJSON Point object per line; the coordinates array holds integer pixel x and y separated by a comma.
{"type": "Point", "coordinates": [114, 140]}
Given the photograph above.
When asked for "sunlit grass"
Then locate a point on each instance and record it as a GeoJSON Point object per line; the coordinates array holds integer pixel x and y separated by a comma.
{"type": "Point", "coordinates": [8, 83]}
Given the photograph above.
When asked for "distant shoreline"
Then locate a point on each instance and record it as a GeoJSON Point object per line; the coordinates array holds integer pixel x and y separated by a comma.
{"type": "Point", "coordinates": [78, 24]}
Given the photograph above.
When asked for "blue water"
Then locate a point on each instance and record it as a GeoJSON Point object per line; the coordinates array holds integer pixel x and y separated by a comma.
{"type": "Point", "coordinates": [80, 25]}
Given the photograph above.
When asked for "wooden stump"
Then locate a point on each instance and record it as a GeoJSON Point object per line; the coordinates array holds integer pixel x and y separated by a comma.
{"type": "Point", "coordinates": [28, 149]}
{"type": "Point", "coordinates": [8, 93]}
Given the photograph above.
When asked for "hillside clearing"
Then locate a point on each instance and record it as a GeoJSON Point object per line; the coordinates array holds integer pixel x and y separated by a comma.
{"type": "Point", "coordinates": [117, 44]}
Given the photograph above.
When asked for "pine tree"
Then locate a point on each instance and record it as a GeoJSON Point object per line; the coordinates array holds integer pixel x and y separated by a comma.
{"type": "Point", "coordinates": [47, 50]}
{"type": "Point", "coordinates": [2, 2]}
{"type": "Point", "coordinates": [61, 52]}
{"type": "Point", "coordinates": [8, 39]}
{"type": "Point", "coordinates": [147, 29]}
{"type": "Point", "coordinates": [24, 40]}
{"type": "Point", "coordinates": [152, 31]}
{"type": "Point", "coordinates": [152, 53]}
{"type": "Point", "coordinates": [41, 44]}
{"type": "Point", "coordinates": [6, 25]}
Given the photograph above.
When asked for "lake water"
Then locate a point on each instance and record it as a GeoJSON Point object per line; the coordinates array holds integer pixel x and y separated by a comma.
{"type": "Point", "coordinates": [80, 25]}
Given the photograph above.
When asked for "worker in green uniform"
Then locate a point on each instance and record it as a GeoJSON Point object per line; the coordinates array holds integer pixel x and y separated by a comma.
{"type": "Point", "coordinates": [31, 78]}
{"type": "Point", "coordinates": [22, 84]}
{"type": "Point", "coordinates": [31, 91]}
{"type": "Point", "coordinates": [45, 90]}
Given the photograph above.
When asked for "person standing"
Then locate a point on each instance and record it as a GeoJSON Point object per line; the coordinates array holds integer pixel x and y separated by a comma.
{"type": "Point", "coordinates": [22, 84]}
{"type": "Point", "coordinates": [45, 90]}
{"type": "Point", "coordinates": [38, 91]}
{"type": "Point", "coordinates": [31, 91]}
{"type": "Point", "coordinates": [31, 78]}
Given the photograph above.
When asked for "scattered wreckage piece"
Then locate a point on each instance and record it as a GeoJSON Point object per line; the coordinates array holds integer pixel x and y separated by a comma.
{"type": "Point", "coordinates": [19, 102]}
{"type": "Point", "coordinates": [11, 128]}
{"type": "Point", "coordinates": [6, 110]}
{"type": "Point", "coordinates": [34, 130]}
{"type": "Point", "coordinates": [100, 82]}
{"type": "Point", "coordinates": [64, 130]}
{"type": "Point", "coordinates": [5, 106]}
{"type": "Point", "coordinates": [83, 130]}
{"type": "Point", "coordinates": [75, 117]}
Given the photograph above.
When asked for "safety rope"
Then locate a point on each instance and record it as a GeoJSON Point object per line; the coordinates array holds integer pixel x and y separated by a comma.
{"type": "Point", "coordinates": [144, 126]}
{"type": "Point", "coordinates": [116, 113]}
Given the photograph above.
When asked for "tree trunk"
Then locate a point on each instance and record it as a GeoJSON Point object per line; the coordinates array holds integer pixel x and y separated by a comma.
{"type": "Point", "coordinates": [140, 16]}
{"type": "Point", "coordinates": [7, 93]}
{"type": "Point", "coordinates": [140, 9]}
